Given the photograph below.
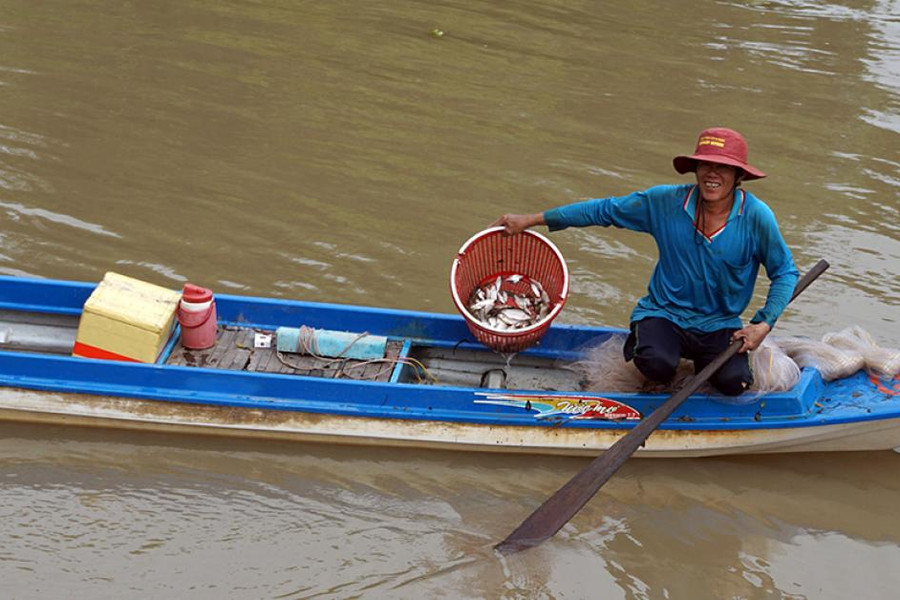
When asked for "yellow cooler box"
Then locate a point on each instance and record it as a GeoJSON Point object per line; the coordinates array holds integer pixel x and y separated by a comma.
{"type": "Point", "coordinates": [126, 319]}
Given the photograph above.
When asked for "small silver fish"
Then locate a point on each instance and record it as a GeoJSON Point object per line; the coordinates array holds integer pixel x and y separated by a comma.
{"type": "Point", "coordinates": [486, 304]}
{"type": "Point", "coordinates": [513, 316]}
{"type": "Point", "coordinates": [510, 309]}
{"type": "Point", "coordinates": [523, 303]}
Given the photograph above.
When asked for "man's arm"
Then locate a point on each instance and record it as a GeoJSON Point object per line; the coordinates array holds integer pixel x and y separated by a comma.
{"type": "Point", "coordinates": [776, 257]}
{"type": "Point", "coordinates": [783, 275]}
{"type": "Point", "coordinates": [632, 211]}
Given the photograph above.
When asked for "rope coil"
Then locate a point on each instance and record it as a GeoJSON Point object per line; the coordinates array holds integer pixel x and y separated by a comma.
{"type": "Point", "coordinates": [345, 366]}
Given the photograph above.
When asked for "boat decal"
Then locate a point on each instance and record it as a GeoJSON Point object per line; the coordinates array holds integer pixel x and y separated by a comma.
{"type": "Point", "coordinates": [568, 406]}
{"type": "Point", "coordinates": [882, 385]}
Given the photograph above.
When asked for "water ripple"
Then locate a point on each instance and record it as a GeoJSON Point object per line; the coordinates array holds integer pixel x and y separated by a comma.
{"type": "Point", "coordinates": [16, 211]}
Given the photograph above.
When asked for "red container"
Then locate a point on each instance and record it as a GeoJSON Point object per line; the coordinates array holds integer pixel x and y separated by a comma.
{"type": "Point", "coordinates": [491, 253]}
{"type": "Point", "coordinates": [197, 316]}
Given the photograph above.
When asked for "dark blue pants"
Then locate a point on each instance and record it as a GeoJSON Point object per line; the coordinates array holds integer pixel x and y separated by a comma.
{"type": "Point", "coordinates": [657, 345]}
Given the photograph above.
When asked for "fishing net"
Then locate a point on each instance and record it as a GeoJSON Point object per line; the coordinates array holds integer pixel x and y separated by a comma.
{"type": "Point", "coordinates": [773, 369]}
{"type": "Point", "coordinates": [831, 362]}
{"type": "Point", "coordinates": [603, 369]}
{"type": "Point", "coordinates": [776, 364]}
{"type": "Point", "coordinates": [883, 362]}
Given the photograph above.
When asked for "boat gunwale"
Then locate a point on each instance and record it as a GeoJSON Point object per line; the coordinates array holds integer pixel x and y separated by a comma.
{"type": "Point", "coordinates": [358, 409]}
{"type": "Point", "coordinates": [749, 416]}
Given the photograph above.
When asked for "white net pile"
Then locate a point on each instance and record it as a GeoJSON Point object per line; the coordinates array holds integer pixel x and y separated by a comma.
{"type": "Point", "coordinates": [776, 363]}
{"type": "Point", "coordinates": [832, 363]}
{"type": "Point", "coordinates": [773, 370]}
{"type": "Point", "coordinates": [843, 353]}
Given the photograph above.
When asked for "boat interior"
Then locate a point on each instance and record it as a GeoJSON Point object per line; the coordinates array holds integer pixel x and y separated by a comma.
{"type": "Point", "coordinates": [237, 349]}
{"type": "Point", "coordinates": [419, 361]}
{"type": "Point", "coordinates": [404, 361]}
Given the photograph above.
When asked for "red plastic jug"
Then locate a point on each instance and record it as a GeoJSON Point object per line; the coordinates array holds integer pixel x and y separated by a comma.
{"type": "Point", "coordinates": [197, 316]}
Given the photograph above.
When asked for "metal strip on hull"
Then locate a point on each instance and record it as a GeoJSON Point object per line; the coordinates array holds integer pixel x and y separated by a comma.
{"type": "Point", "coordinates": [133, 414]}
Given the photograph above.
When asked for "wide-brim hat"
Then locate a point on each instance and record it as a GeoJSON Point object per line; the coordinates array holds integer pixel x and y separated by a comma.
{"type": "Point", "coordinates": [719, 145]}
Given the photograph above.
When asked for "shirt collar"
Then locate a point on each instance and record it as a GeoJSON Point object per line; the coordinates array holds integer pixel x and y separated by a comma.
{"type": "Point", "coordinates": [693, 194]}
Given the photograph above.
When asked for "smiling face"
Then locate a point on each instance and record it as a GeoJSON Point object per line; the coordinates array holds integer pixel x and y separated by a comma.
{"type": "Point", "coordinates": [716, 181]}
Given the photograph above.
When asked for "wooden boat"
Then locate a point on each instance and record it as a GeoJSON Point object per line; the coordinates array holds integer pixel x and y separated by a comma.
{"type": "Point", "coordinates": [529, 403]}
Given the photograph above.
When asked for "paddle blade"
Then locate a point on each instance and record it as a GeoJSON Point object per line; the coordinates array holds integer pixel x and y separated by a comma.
{"type": "Point", "coordinates": [543, 523]}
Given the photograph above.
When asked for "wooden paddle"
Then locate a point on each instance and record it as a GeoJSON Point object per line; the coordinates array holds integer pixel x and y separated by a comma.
{"type": "Point", "coordinates": [569, 499]}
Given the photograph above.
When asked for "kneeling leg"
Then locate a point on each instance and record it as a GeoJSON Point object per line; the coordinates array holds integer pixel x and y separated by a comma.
{"type": "Point", "coordinates": [734, 377]}
{"type": "Point", "coordinates": [655, 346]}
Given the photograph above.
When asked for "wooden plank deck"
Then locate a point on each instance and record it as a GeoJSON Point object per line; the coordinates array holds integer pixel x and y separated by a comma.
{"type": "Point", "coordinates": [235, 351]}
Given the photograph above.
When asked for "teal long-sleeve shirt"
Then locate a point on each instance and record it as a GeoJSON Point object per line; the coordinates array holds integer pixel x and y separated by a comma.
{"type": "Point", "coordinates": [700, 283]}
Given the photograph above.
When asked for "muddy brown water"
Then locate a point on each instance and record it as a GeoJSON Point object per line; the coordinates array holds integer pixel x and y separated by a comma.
{"type": "Point", "coordinates": [342, 152]}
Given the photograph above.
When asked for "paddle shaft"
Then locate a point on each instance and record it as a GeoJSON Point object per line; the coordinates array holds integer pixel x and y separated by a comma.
{"type": "Point", "coordinates": [549, 518]}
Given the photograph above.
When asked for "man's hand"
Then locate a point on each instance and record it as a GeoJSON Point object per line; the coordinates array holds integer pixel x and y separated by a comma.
{"type": "Point", "coordinates": [513, 224]}
{"type": "Point", "coordinates": [752, 335]}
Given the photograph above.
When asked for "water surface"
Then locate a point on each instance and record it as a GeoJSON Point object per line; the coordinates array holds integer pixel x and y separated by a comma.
{"type": "Point", "coordinates": [342, 152]}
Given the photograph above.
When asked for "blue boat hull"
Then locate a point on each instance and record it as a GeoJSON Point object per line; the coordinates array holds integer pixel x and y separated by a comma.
{"type": "Point", "coordinates": [856, 413]}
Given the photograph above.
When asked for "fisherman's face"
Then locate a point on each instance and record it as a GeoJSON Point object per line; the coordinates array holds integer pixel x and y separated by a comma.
{"type": "Point", "coordinates": [716, 182]}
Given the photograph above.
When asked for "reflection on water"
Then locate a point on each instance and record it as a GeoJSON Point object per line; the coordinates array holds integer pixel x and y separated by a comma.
{"type": "Point", "coordinates": [341, 152]}
{"type": "Point", "coordinates": [87, 512]}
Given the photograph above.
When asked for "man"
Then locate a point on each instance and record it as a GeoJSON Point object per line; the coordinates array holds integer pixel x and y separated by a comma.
{"type": "Point", "coordinates": [712, 237]}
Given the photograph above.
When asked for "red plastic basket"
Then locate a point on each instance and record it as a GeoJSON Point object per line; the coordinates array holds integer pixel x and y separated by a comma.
{"type": "Point", "coordinates": [491, 253]}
